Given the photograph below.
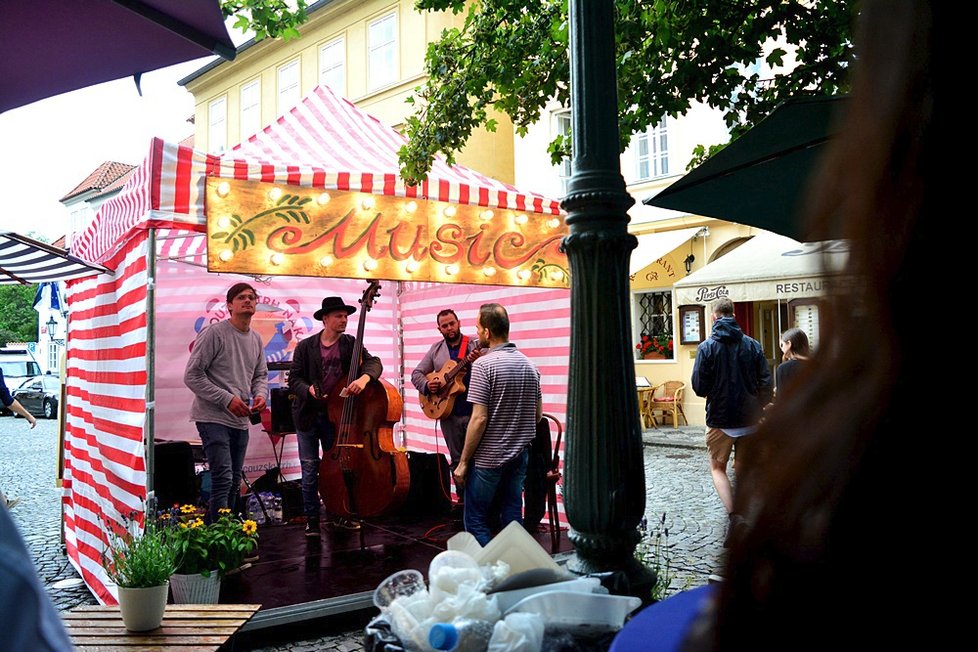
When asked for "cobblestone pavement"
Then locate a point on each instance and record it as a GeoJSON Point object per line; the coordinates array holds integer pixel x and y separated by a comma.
{"type": "Point", "coordinates": [677, 478]}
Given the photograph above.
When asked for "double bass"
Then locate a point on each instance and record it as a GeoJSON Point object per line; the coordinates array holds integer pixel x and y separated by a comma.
{"type": "Point", "coordinates": [364, 474]}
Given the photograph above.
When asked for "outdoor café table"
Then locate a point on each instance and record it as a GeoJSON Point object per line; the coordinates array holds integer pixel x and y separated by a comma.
{"type": "Point", "coordinates": [188, 626]}
{"type": "Point", "coordinates": [663, 626]}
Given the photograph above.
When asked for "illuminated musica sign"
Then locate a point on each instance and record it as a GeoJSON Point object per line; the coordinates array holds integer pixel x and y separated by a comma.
{"type": "Point", "coordinates": [275, 229]}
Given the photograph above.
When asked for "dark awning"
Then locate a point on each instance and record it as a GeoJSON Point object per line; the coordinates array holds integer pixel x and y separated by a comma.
{"type": "Point", "coordinates": [49, 47]}
{"type": "Point", "coordinates": [25, 260]}
{"type": "Point", "coordinates": [761, 179]}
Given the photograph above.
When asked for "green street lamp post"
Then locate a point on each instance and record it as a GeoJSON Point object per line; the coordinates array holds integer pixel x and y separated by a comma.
{"type": "Point", "coordinates": [604, 486]}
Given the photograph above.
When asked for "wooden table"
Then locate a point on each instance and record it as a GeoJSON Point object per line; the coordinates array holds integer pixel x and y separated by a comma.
{"type": "Point", "coordinates": [645, 407]}
{"type": "Point", "coordinates": [188, 626]}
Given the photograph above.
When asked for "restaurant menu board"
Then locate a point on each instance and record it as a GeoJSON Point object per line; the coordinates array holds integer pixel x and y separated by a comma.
{"type": "Point", "coordinates": [806, 318]}
{"type": "Point", "coordinates": [691, 324]}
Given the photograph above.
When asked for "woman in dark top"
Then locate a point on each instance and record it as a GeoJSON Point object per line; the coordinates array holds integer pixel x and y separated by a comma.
{"type": "Point", "coordinates": [795, 353]}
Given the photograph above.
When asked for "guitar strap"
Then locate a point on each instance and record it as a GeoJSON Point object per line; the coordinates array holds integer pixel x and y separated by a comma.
{"type": "Point", "coordinates": [463, 347]}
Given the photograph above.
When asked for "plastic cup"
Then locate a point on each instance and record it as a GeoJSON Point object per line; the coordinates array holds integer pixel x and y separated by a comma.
{"type": "Point", "coordinates": [400, 584]}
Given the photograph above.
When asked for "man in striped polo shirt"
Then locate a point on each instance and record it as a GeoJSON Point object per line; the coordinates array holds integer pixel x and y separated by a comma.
{"type": "Point", "coordinates": [507, 404]}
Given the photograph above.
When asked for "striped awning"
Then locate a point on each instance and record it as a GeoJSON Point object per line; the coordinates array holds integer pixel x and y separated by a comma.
{"type": "Point", "coordinates": [25, 260]}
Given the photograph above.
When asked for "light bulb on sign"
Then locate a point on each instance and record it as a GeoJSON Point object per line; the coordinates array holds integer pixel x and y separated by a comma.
{"type": "Point", "coordinates": [370, 264]}
{"type": "Point", "coordinates": [323, 198]}
{"type": "Point", "coordinates": [275, 194]}
{"type": "Point", "coordinates": [226, 255]}
{"type": "Point", "coordinates": [449, 211]}
{"type": "Point", "coordinates": [489, 271]}
{"type": "Point", "coordinates": [223, 189]}
{"type": "Point", "coordinates": [367, 203]}
{"type": "Point", "coordinates": [326, 261]}
{"type": "Point", "coordinates": [411, 207]}
{"type": "Point", "coordinates": [451, 270]}
{"type": "Point", "coordinates": [523, 274]}
{"type": "Point", "coordinates": [412, 266]}
{"type": "Point", "coordinates": [521, 219]}
{"type": "Point", "coordinates": [277, 259]}
{"type": "Point", "coordinates": [553, 223]}
{"type": "Point", "coordinates": [486, 215]}
{"type": "Point", "coordinates": [224, 222]}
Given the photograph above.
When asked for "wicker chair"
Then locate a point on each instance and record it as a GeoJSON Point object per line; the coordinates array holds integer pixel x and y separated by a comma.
{"type": "Point", "coordinates": [668, 399]}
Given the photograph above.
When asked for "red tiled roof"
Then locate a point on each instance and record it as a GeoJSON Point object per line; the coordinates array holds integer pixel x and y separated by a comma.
{"type": "Point", "coordinates": [59, 243]}
{"type": "Point", "coordinates": [105, 178]}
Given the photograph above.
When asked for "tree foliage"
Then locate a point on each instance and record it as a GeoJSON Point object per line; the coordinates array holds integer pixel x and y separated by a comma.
{"type": "Point", "coordinates": [267, 18]}
{"type": "Point", "coordinates": [18, 319]}
{"type": "Point", "coordinates": [513, 56]}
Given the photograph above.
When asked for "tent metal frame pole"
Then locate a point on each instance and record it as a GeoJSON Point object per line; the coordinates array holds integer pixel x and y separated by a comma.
{"type": "Point", "coordinates": [148, 427]}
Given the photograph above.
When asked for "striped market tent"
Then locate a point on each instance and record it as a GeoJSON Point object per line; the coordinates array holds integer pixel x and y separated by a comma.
{"type": "Point", "coordinates": [153, 231]}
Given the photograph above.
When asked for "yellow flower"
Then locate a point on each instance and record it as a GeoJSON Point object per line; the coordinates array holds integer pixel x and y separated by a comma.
{"type": "Point", "coordinates": [197, 523]}
{"type": "Point", "coordinates": [224, 510]}
{"type": "Point", "coordinates": [249, 527]}
{"type": "Point", "coordinates": [187, 509]}
{"type": "Point", "coordinates": [165, 516]}
{"type": "Point", "coordinates": [183, 525]}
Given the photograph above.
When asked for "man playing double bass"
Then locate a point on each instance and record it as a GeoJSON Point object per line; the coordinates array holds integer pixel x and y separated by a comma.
{"type": "Point", "coordinates": [318, 364]}
{"type": "Point", "coordinates": [453, 346]}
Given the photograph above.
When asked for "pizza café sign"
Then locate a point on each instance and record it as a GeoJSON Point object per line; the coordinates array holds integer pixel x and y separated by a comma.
{"type": "Point", "coordinates": [274, 229]}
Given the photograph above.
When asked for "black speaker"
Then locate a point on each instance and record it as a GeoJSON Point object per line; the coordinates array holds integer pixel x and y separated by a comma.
{"type": "Point", "coordinates": [431, 488]}
{"type": "Point", "coordinates": [282, 409]}
{"type": "Point", "coordinates": [174, 480]}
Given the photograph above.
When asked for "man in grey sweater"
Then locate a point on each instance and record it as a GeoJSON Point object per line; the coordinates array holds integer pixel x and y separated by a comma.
{"type": "Point", "coordinates": [229, 378]}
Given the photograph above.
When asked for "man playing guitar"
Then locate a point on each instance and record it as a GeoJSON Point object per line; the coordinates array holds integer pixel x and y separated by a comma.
{"type": "Point", "coordinates": [448, 400]}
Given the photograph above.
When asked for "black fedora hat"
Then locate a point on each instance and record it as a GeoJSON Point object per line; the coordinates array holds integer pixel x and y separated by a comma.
{"type": "Point", "coordinates": [330, 304]}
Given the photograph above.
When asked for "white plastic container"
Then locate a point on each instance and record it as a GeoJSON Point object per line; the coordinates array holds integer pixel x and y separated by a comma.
{"type": "Point", "coordinates": [507, 599]}
{"type": "Point", "coordinates": [570, 609]}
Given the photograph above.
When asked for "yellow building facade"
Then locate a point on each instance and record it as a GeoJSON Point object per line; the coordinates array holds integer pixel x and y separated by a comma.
{"type": "Point", "coordinates": [370, 52]}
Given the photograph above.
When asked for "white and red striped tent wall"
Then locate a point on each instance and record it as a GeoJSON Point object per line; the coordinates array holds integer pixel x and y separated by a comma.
{"type": "Point", "coordinates": [325, 142]}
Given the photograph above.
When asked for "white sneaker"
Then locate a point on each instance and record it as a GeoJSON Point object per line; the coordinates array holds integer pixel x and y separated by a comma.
{"type": "Point", "coordinates": [12, 502]}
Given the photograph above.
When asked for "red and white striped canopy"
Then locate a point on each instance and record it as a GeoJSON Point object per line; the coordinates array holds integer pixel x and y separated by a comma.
{"type": "Point", "coordinates": [324, 142]}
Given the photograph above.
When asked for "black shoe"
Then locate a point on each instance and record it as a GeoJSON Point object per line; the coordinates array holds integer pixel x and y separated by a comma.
{"type": "Point", "coordinates": [312, 528]}
{"type": "Point", "coordinates": [344, 523]}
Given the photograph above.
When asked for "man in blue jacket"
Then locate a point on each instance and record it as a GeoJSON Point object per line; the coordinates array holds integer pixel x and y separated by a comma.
{"type": "Point", "coordinates": [732, 373]}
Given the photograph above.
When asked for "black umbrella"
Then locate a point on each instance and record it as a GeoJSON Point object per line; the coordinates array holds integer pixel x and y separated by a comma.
{"type": "Point", "coordinates": [49, 47]}
{"type": "Point", "coordinates": [761, 179]}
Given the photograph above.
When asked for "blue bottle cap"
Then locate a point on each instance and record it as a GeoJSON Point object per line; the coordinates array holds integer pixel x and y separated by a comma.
{"type": "Point", "coordinates": [443, 636]}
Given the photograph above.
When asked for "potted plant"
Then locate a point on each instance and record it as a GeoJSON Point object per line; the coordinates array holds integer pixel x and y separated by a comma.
{"type": "Point", "coordinates": [140, 565]}
{"type": "Point", "coordinates": [655, 347]}
{"type": "Point", "coordinates": [206, 552]}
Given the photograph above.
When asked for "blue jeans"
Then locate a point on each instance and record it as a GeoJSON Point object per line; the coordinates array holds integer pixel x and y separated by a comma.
{"type": "Point", "coordinates": [322, 434]}
{"type": "Point", "coordinates": [225, 449]}
{"type": "Point", "coordinates": [504, 483]}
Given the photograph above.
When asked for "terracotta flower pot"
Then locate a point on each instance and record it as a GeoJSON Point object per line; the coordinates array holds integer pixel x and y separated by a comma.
{"type": "Point", "coordinates": [654, 355]}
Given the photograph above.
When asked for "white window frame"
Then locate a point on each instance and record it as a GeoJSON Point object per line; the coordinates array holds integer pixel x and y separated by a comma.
{"type": "Point", "coordinates": [217, 125]}
{"type": "Point", "coordinates": [332, 65]}
{"type": "Point", "coordinates": [668, 319]}
{"type": "Point", "coordinates": [655, 159]}
{"type": "Point", "coordinates": [288, 91]}
{"type": "Point", "coordinates": [562, 127]}
{"type": "Point", "coordinates": [382, 55]}
{"type": "Point", "coordinates": [54, 355]}
{"type": "Point", "coordinates": [250, 96]}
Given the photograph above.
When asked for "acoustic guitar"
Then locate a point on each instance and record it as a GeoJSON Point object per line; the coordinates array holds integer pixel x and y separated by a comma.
{"type": "Point", "coordinates": [440, 403]}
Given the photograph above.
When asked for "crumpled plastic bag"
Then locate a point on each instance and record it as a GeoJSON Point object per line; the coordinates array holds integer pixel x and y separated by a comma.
{"type": "Point", "coordinates": [518, 632]}
{"type": "Point", "coordinates": [468, 602]}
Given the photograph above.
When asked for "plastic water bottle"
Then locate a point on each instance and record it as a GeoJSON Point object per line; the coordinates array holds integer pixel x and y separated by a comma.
{"type": "Point", "coordinates": [461, 635]}
{"type": "Point", "coordinates": [277, 508]}
{"type": "Point", "coordinates": [254, 509]}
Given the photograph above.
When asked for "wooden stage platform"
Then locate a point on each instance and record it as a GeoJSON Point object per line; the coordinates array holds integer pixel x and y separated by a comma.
{"type": "Point", "coordinates": [299, 579]}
